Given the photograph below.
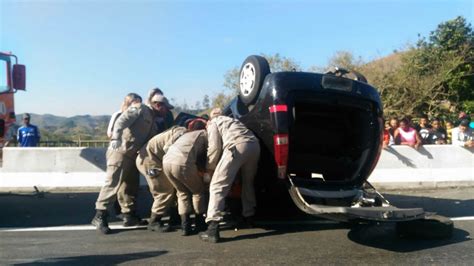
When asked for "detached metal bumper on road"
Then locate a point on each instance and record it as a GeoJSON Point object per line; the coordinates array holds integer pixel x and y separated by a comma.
{"type": "Point", "coordinates": [346, 214]}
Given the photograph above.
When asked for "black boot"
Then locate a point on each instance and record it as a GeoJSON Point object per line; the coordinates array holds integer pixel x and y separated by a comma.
{"type": "Point", "coordinates": [174, 217]}
{"type": "Point", "coordinates": [212, 233]}
{"type": "Point", "coordinates": [200, 223]}
{"type": "Point", "coordinates": [100, 222]}
{"type": "Point", "coordinates": [132, 219]}
{"type": "Point", "coordinates": [185, 225]}
{"type": "Point", "coordinates": [157, 225]}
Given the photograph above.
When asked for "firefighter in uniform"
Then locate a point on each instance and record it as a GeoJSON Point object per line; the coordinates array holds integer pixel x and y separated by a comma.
{"type": "Point", "coordinates": [131, 131]}
{"type": "Point", "coordinates": [149, 163]}
{"type": "Point", "coordinates": [127, 101]}
{"type": "Point", "coordinates": [232, 147]}
{"type": "Point", "coordinates": [184, 164]}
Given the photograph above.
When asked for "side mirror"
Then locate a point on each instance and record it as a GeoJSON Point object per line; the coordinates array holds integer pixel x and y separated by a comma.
{"type": "Point", "coordinates": [19, 77]}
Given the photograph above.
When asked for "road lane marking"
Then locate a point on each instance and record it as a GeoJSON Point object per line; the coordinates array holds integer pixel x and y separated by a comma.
{"type": "Point", "coordinates": [65, 228]}
{"type": "Point", "coordinates": [465, 218]}
{"type": "Point", "coordinates": [121, 227]}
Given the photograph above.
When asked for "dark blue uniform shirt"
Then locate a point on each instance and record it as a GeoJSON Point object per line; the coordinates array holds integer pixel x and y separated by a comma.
{"type": "Point", "coordinates": [28, 136]}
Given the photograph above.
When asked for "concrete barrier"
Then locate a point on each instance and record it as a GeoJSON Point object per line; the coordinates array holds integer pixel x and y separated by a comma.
{"type": "Point", "coordinates": [52, 168]}
{"type": "Point", "coordinates": [46, 160]}
{"type": "Point", "coordinates": [431, 166]}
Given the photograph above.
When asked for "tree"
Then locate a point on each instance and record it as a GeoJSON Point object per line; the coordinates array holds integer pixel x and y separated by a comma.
{"type": "Point", "coordinates": [69, 124]}
{"type": "Point", "coordinates": [232, 79]}
{"type": "Point", "coordinates": [197, 105]}
{"type": "Point", "coordinates": [418, 84]}
{"type": "Point", "coordinates": [185, 106]}
{"type": "Point", "coordinates": [345, 59]}
{"type": "Point", "coordinates": [452, 35]}
{"type": "Point", "coordinates": [221, 100]}
{"type": "Point", "coordinates": [206, 102]}
{"type": "Point", "coordinates": [281, 63]}
{"type": "Point", "coordinates": [434, 76]}
{"type": "Point", "coordinates": [447, 59]}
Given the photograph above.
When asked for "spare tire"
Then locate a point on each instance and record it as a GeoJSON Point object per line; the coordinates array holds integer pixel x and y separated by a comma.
{"type": "Point", "coordinates": [252, 74]}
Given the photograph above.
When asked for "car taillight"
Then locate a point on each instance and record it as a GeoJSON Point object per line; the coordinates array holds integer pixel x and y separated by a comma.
{"type": "Point", "coordinates": [280, 137]}
{"type": "Point", "coordinates": [278, 108]}
{"type": "Point", "coordinates": [281, 153]}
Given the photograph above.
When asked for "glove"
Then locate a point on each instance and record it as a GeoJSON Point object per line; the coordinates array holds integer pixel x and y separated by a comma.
{"type": "Point", "coordinates": [115, 144]}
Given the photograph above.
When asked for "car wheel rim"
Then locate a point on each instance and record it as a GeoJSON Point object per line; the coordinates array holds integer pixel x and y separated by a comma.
{"type": "Point", "coordinates": [247, 79]}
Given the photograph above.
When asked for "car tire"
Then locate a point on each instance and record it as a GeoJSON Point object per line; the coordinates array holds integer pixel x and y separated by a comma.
{"type": "Point", "coordinates": [431, 227]}
{"type": "Point", "coordinates": [252, 74]}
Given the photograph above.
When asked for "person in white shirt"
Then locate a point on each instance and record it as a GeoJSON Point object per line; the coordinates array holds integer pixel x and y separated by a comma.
{"type": "Point", "coordinates": [462, 135]}
{"type": "Point", "coordinates": [127, 101]}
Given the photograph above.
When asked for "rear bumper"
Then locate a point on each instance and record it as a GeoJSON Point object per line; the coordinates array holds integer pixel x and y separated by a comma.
{"type": "Point", "coordinates": [384, 213]}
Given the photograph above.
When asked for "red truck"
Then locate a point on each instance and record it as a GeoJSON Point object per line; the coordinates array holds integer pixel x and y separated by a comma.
{"type": "Point", "coordinates": [12, 79]}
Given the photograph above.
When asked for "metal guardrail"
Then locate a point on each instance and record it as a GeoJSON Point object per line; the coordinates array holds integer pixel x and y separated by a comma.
{"type": "Point", "coordinates": [76, 143]}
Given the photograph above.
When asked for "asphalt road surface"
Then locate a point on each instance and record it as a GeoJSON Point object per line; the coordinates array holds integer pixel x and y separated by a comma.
{"type": "Point", "coordinates": [53, 229]}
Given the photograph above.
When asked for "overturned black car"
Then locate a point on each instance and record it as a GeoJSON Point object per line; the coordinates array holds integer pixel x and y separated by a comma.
{"type": "Point", "coordinates": [321, 135]}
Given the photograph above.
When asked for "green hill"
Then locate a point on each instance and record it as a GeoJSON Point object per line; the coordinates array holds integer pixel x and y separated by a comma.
{"type": "Point", "coordinates": [84, 127]}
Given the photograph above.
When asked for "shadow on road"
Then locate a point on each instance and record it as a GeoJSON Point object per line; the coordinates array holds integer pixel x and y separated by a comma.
{"type": "Point", "coordinates": [441, 206]}
{"type": "Point", "coordinates": [274, 230]}
{"type": "Point", "coordinates": [384, 236]}
{"type": "Point", "coordinates": [381, 236]}
{"type": "Point", "coordinates": [111, 259]}
{"type": "Point", "coordinates": [57, 209]}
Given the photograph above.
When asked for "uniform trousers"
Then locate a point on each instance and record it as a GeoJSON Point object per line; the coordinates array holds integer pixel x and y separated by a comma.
{"type": "Point", "coordinates": [243, 156]}
{"type": "Point", "coordinates": [163, 192]}
{"type": "Point", "coordinates": [121, 182]}
{"type": "Point", "coordinates": [190, 187]}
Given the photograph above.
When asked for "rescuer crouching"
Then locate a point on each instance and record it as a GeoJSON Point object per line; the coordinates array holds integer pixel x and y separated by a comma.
{"type": "Point", "coordinates": [232, 147]}
{"type": "Point", "coordinates": [183, 165]}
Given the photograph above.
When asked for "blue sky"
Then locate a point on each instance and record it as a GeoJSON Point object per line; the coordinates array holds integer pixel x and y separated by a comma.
{"type": "Point", "coordinates": [83, 57]}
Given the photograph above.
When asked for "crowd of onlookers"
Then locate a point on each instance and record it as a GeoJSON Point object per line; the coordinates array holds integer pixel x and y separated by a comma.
{"type": "Point", "coordinates": [435, 131]}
